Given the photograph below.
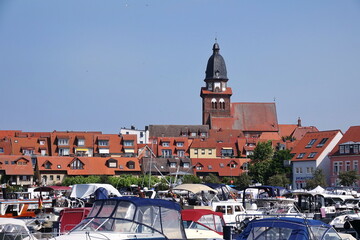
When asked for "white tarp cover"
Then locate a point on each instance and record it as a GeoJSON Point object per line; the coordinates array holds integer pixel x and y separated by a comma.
{"type": "Point", "coordinates": [318, 189]}
{"type": "Point", "coordinates": [195, 188]}
{"type": "Point", "coordinates": [85, 190]}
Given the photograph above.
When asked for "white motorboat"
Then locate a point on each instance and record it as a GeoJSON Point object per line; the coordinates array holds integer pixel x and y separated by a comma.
{"type": "Point", "coordinates": [130, 218]}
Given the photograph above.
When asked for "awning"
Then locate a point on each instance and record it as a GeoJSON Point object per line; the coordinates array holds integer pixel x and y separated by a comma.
{"type": "Point", "coordinates": [129, 150]}
{"type": "Point", "coordinates": [103, 150]}
{"type": "Point", "coordinates": [195, 188]}
{"type": "Point", "coordinates": [227, 148]}
{"type": "Point", "coordinates": [82, 149]}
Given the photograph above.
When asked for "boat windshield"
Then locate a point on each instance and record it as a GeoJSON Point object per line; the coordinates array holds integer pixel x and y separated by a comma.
{"type": "Point", "coordinates": [126, 217]}
{"type": "Point", "coordinates": [265, 233]}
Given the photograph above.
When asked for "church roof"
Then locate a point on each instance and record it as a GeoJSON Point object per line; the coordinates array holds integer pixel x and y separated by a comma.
{"type": "Point", "coordinates": [255, 116]}
{"type": "Point", "coordinates": [216, 68]}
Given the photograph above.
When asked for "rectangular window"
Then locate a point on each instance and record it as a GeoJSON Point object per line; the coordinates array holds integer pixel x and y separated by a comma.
{"type": "Point", "coordinates": [63, 141]}
{"type": "Point", "coordinates": [43, 152]}
{"type": "Point", "coordinates": [81, 142]}
{"type": "Point", "coordinates": [311, 155]}
{"type": "Point", "coordinates": [51, 177]}
{"type": "Point", "coordinates": [112, 164]}
{"type": "Point", "coordinates": [181, 153]}
{"type": "Point", "coordinates": [195, 151]}
{"type": "Point", "coordinates": [199, 168]}
{"type": "Point", "coordinates": [298, 170]}
{"type": "Point", "coordinates": [341, 149]}
{"type": "Point", "coordinates": [308, 170]}
{"type": "Point", "coordinates": [210, 151]}
{"type": "Point", "coordinates": [193, 134]}
{"type": "Point", "coordinates": [312, 141]}
{"type": "Point", "coordinates": [355, 165]}
{"type": "Point", "coordinates": [347, 166]}
{"type": "Point", "coordinates": [64, 151]}
{"type": "Point", "coordinates": [179, 144]}
{"type": "Point", "coordinates": [58, 177]}
{"type": "Point", "coordinates": [337, 167]}
{"type": "Point", "coordinates": [128, 143]}
{"type": "Point", "coordinates": [141, 134]}
{"type": "Point", "coordinates": [322, 142]}
{"type": "Point", "coordinates": [356, 149]}
{"type": "Point", "coordinates": [1, 150]}
{"type": "Point", "coordinates": [202, 151]}
{"type": "Point", "coordinates": [28, 152]}
{"type": "Point", "coordinates": [42, 142]}
{"type": "Point", "coordinates": [301, 155]}
{"type": "Point", "coordinates": [186, 165]}
{"type": "Point", "coordinates": [227, 152]}
{"type": "Point", "coordinates": [166, 152]}
{"type": "Point", "coordinates": [347, 149]}
{"type": "Point", "coordinates": [103, 142]}
{"type": "Point", "coordinates": [165, 144]}
{"type": "Point", "coordinates": [173, 165]}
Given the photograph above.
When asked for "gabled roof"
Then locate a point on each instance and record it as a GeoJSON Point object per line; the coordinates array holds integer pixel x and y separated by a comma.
{"type": "Point", "coordinates": [16, 169]}
{"type": "Point", "coordinates": [351, 135]}
{"type": "Point", "coordinates": [225, 135]}
{"type": "Point", "coordinates": [201, 143]}
{"type": "Point", "coordinates": [255, 116]}
{"type": "Point", "coordinates": [175, 130]}
{"type": "Point", "coordinates": [221, 166]}
{"type": "Point", "coordinates": [308, 147]}
{"type": "Point", "coordinates": [300, 132]}
{"type": "Point", "coordinates": [287, 129]}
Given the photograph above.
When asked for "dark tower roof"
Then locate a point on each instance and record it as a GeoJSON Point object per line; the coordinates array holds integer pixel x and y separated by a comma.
{"type": "Point", "coordinates": [216, 68]}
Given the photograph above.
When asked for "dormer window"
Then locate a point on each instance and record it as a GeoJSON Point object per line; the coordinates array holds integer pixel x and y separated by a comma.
{"type": "Point", "coordinates": [128, 143]}
{"type": "Point", "coordinates": [180, 144]}
{"type": "Point", "coordinates": [103, 142]}
{"type": "Point", "coordinates": [47, 165]}
{"type": "Point", "coordinates": [311, 155]}
{"type": "Point", "coordinates": [42, 142]}
{"type": "Point", "coordinates": [112, 163]}
{"type": "Point", "coordinates": [81, 142]}
{"type": "Point", "coordinates": [166, 144]}
{"type": "Point", "coordinates": [186, 165]}
{"type": "Point", "coordinates": [130, 165]}
{"type": "Point", "coordinates": [63, 141]}
{"type": "Point", "coordinates": [77, 164]}
{"type": "Point", "coordinates": [172, 165]}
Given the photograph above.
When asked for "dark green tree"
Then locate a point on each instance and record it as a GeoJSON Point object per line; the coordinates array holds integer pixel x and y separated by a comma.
{"type": "Point", "coordinates": [317, 180]}
{"type": "Point", "coordinates": [277, 164]}
{"type": "Point", "coordinates": [212, 178]}
{"type": "Point", "coordinates": [280, 180]}
{"type": "Point", "coordinates": [244, 180]}
{"type": "Point", "coordinates": [191, 179]}
{"type": "Point", "coordinates": [262, 152]}
{"type": "Point", "coordinates": [348, 178]}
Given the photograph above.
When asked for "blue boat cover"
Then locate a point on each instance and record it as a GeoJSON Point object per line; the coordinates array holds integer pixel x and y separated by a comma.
{"type": "Point", "coordinates": [149, 202]}
{"type": "Point", "coordinates": [101, 193]}
{"type": "Point", "coordinates": [299, 226]}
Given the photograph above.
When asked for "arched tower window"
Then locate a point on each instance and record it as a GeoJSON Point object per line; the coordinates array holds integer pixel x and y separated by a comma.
{"type": "Point", "coordinates": [222, 103]}
{"type": "Point", "coordinates": [213, 103]}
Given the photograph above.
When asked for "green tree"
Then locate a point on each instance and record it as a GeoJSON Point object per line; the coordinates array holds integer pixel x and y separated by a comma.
{"type": "Point", "coordinates": [280, 180]}
{"type": "Point", "coordinates": [244, 180]}
{"type": "Point", "coordinates": [191, 179]}
{"type": "Point", "coordinates": [317, 180]}
{"type": "Point", "coordinates": [277, 163]}
{"type": "Point", "coordinates": [260, 171]}
{"type": "Point", "coordinates": [348, 178]}
{"type": "Point", "coordinates": [212, 178]}
{"type": "Point", "coordinates": [263, 152]}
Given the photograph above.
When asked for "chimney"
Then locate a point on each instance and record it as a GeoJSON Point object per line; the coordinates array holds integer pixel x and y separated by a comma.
{"type": "Point", "coordinates": [299, 122]}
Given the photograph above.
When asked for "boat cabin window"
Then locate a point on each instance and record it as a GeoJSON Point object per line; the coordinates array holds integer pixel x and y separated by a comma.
{"type": "Point", "coordinates": [107, 208]}
{"type": "Point", "coordinates": [237, 208]}
{"type": "Point", "coordinates": [207, 220]}
{"type": "Point", "coordinates": [125, 210]}
{"type": "Point", "coordinates": [219, 223]}
{"type": "Point", "coordinates": [220, 209]}
{"type": "Point", "coordinates": [269, 233]}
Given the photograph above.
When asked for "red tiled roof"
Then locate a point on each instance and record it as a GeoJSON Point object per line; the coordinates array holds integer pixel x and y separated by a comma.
{"type": "Point", "coordinates": [220, 166]}
{"type": "Point", "coordinates": [207, 143]}
{"type": "Point", "coordinates": [351, 135]}
{"type": "Point", "coordinates": [287, 129]}
{"type": "Point", "coordinates": [300, 132]}
{"type": "Point", "coordinates": [303, 147]}
{"type": "Point", "coordinates": [255, 116]}
{"type": "Point", "coordinates": [269, 136]}
{"type": "Point", "coordinates": [16, 169]}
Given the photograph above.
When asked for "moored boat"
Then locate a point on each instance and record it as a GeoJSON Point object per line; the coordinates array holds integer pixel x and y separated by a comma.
{"type": "Point", "coordinates": [130, 218]}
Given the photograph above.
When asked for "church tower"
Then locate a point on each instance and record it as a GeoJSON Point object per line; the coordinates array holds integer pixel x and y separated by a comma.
{"type": "Point", "coordinates": [215, 95]}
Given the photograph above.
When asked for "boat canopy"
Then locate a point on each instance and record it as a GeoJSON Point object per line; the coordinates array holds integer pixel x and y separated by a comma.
{"type": "Point", "coordinates": [133, 215]}
{"type": "Point", "coordinates": [86, 190]}
{"type": "Point", "coordinates": [196, 214]}
{"type": "Point", "coordinates": [195, 188]}
{"type": "Point", "coordinates": [288, 228]}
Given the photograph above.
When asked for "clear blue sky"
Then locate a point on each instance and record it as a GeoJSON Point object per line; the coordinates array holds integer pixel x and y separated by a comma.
{"type": "Point", "coordinates": [102, 65]}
